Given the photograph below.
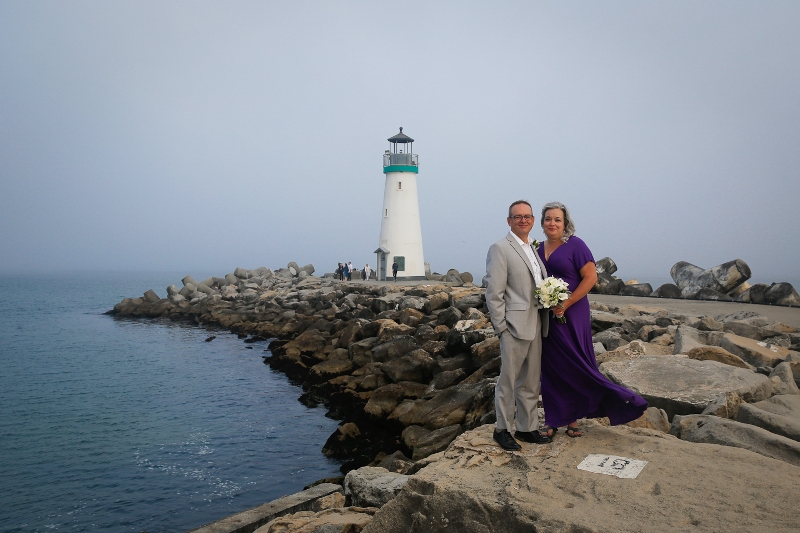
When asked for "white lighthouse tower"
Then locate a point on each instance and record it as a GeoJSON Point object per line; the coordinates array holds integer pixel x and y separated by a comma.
{"type": "Point", "coordinates": [401, 231]}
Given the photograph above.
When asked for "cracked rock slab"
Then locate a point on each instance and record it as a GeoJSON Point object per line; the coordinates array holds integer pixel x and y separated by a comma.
{"type": "Point", "coordinates": [682, 386]}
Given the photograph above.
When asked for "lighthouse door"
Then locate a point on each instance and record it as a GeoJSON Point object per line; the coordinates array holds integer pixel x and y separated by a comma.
{"type": "Point", "coordinates": [382, 268]}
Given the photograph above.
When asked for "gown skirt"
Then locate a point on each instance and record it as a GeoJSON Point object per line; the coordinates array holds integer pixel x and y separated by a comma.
{"type": "Point", "coordinates": [572, 385]}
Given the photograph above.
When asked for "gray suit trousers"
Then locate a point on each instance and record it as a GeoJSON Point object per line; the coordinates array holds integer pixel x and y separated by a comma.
{"type": "Point", "coordinates": [517, 389]}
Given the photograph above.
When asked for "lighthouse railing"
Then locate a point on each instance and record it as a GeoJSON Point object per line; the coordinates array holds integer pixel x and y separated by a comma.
{"type": "Point", "coordinates": [400, 159]}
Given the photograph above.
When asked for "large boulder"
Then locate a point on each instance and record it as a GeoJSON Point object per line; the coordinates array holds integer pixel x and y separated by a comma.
{"type": "Point", "coordinates": [478, 488]}
{"type": "Point", "coordinates": [779, 415]}
{"type": "Point", "coordinates": [715, 353]}
{"type": "Point", "coordinates": [714, 430]}
{"type": "Point", "coordinates": [722, 279]}
{"type": "Point", "coordinates": [372, 486]}
{"type": "Point", "coordinates": [436, 441]}
{"type": "Point", "coordinates": [463, 299]}
{"type": "Point", "coordinates": [417, 366]}
{"type": "Point", "coordinates": [394, 348]}
{"type": "Point", "coordinates": [688, 338]}
{"type": "Point", "coordinates": [757, 353]}
{"type": "Point", "coordinates": [460, 404]}
{"type": "Point", "coordinates": [685, 386]}
{"type": "Point", "coordinates": [782, 377]}
{"type": "Point", "coordinates": [607, 284]}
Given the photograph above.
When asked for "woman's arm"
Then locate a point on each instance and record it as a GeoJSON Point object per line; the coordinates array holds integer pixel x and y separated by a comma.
{"type": "Point", "coordinates": [588, 280]}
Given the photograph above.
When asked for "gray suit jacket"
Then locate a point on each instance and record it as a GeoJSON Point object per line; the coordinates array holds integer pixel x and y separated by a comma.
{"type": "Point", "coordinates": [510, 291]}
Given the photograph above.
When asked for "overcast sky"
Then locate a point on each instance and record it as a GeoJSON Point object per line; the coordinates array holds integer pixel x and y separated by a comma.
{"type": "Point", "coordinates": [202, 136]}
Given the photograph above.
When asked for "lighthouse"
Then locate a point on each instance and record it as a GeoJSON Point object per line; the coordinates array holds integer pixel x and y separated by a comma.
{"type": "Point", "coordinates": [401, 231]}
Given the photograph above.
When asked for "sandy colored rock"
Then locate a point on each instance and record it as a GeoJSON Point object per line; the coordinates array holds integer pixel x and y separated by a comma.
{"type": "Point", "coordinates": [757, 353]}
{"type": "Point", "coordinates": [715, 353]}
{"type": "Point", "coordinates": [680, 385]}
{"type": "Point", "coordinates": [631, 351]}
{"type": "Point", "coordinates": [724, 406]}
{"type": "Point", "coordinates": [715, 430]}
{"type": "Point", "coordinates": [683, 487]}
{"type": "Point", "coordinates": [779, 415]}
{"type": "Point", "coordinates": [343, 520]}
{"type": "Point", "coordinates": [783, 377]}
{"type": "Point", "coordinates": [331, 501]}
{"type": "Point", "coordinates": [652, 418]}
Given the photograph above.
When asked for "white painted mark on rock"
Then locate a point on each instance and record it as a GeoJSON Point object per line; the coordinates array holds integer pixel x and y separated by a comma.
{"type": "Point", "coordinates": [612, 465]}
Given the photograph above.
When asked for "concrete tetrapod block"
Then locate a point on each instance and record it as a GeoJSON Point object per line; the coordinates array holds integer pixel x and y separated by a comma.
{"type": "Point", "coordinates": [683, 386]}
{"type": "Point", "coordinates": [714, 430]}
{"type": "Point", "coordinates": [252, 519]}
{"type": "Point", "coordinates": [703, 488]}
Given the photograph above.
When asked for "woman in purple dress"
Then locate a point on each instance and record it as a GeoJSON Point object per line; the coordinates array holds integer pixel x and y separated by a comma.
{"type": "Point", "coordinates": [572, 386]}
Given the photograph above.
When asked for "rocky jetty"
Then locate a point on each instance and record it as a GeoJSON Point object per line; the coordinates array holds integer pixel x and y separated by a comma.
{"type": "Point", "coordinates": [726, 282]}
{"type": "Point", "coordinates": [410, 372]}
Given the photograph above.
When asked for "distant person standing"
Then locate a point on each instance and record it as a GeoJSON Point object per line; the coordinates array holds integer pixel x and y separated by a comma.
{"type": "Point", "coordinates": [350, 271]}
{"type": "Point", "coordinates": [367, 271]}
{"type": "Point", "coordinates": [339, 274]}
{"type": "Point", "coordinates": [394, 270]}
{"type": "Point", "coordinates": [345, 272]}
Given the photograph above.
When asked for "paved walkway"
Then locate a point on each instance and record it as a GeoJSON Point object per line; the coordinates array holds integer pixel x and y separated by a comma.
{"type": "Point", "coordinates": [787, 315]}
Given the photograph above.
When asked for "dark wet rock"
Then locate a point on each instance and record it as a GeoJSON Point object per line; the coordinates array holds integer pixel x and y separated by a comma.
{"type": "Point", "coordinates": [394, 348]}
{"type": "Point", "coordinates": [436, 441]}
{"type": "Point", "coordinates": [449, 317]}
{"type": "Point", "coordinates": [417, 366]}
{"type": "Point", "coordinates": [636, 289]}
{"type": "Point", "coordinates": [606, 265]}
{"type": "Point", "coordinates": [668, 290]}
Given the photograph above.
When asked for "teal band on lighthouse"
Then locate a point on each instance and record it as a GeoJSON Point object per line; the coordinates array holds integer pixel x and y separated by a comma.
{"type": "Point", "coordinates": [401, 168]}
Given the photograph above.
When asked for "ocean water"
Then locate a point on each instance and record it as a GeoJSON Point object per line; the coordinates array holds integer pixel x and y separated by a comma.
{"type": "Point", "coordinates": [138, 425]}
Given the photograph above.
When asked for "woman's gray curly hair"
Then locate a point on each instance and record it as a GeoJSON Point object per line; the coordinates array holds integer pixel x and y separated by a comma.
{"type": "Point", "coordinates": [569, 226]}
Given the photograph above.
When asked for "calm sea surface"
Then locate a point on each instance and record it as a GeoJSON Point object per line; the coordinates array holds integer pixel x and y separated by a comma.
{"type": "Point", "coordinates": [138, 425]}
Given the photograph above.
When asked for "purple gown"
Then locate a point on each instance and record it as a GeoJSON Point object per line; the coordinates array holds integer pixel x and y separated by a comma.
{"type": "Point", "coordinates": [572, 386]}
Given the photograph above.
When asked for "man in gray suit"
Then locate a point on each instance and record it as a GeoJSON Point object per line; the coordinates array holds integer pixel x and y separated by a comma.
{"type": "Point", "coordinates": [513, 270]}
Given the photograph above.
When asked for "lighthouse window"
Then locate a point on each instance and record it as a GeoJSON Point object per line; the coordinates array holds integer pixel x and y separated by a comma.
{"type": "Point", "coordinates": [385, 213]}
{"type": "Point", "coordinates": [399, 185]}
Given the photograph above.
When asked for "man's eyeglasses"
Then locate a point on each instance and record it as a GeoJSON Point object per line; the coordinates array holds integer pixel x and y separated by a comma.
{"type": "Point", "coordinates": [520, 218]}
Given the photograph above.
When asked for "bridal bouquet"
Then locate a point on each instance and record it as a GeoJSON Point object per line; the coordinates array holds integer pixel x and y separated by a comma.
{"type": "Point", "coordinates": [552, 292]}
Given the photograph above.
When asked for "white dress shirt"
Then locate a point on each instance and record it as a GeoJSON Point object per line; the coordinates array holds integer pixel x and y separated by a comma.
{"type": "Point", "coordinates": [526, 246]}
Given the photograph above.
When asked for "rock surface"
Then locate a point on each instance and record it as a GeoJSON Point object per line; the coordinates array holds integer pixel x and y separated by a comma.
{"type": "Point", "coordinates": [477, 487]}
{"type": "Point", "coordinates": [714, 430]}
{"type": "Point", "coordinates": [681, 386]}
{"type": "Point", "coordinates": [372, 486]}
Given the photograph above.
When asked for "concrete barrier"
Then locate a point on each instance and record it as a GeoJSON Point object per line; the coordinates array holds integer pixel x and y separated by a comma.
{"type": "Point", "coordinates": [252, 519]}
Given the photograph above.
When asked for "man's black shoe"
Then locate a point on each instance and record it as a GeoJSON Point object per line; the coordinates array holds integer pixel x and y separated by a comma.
{"type": "Point", "coordinates": [506, 441]}
{"type": "Point", "coordinates": [533, 437]}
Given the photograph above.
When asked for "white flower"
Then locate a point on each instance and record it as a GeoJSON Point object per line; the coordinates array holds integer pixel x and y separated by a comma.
{"type": "Point", "coordinates": [552, 291]}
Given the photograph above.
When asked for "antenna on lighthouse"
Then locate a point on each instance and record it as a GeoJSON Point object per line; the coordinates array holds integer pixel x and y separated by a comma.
{"type": "Point", "coordinates": [401, 230]}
